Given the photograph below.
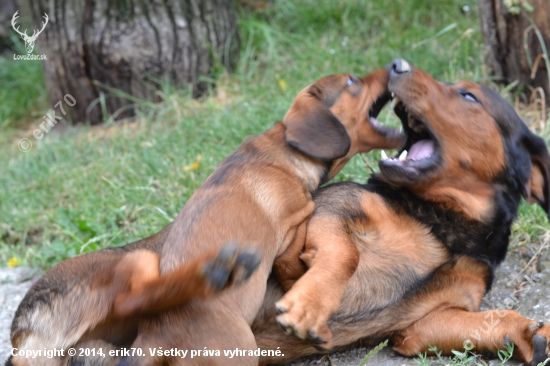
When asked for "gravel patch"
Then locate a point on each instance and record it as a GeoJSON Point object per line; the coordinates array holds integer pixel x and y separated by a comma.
{"type": "Point", "coordinates": [517, 286]}
{"type": "Point", "coordinates": [14, 284]}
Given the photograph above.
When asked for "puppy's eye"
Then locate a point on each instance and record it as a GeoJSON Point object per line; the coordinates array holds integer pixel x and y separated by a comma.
{"type": "Point", "coordinates": [468, 96]}
{"type": "Point", "coordinates": [352, 80]}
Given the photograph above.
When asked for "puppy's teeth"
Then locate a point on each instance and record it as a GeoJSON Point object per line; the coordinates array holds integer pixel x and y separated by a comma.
{"type": "Point", "coordinates": [392, 95]}
{"type": "Point", "coordinates": [384, 156]}
{"type": "Point", "coordinates": [403, 155]}
{"type": "Point", "coordinates": [395, 102]}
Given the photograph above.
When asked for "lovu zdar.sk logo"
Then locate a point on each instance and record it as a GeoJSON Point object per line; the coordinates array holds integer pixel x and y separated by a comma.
{"type": "Point", "coordinates": [29, 40]}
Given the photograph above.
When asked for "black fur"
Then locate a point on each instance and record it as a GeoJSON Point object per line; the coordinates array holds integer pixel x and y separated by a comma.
{"type": "Point", "coordinates": [340, 200]}
{"type": "Point", "coordinates": [485, 242]}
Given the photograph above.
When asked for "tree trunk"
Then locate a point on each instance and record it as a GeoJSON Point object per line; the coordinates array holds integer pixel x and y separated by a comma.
{"type": "Point", "coordinates": [94, 47]}
{"type": "Point", "coordinates": [7, 9]}
{"type": "Point", "coordinates": [512, 49]}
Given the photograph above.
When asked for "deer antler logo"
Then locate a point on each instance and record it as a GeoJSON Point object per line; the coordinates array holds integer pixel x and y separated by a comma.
{"type": "Point", "coordinates": [29, 41]}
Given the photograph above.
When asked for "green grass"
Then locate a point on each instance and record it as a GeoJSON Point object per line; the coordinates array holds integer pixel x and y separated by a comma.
{"type": "Point", "coordinates": [91, 188]}
{"type": "Point", "coordinates": [22, 91]}
{"type": "Point", "coordinates": [373, 352]}
{"type": "Point", "coordinates": [466, 357]}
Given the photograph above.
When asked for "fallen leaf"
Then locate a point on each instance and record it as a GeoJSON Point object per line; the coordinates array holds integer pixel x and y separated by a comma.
{"type": "Point", "coordinates": [193, 166]}
{"type": "Point", "coordinates": [282, 84]}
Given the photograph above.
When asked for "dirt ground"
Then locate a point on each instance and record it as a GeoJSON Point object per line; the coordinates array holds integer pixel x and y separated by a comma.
{"type": "Point", "coordinates": [525, 275]}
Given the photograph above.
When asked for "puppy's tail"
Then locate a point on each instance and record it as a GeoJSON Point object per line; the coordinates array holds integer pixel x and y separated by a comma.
{"type": "Point", "coordinates": [151, 293]}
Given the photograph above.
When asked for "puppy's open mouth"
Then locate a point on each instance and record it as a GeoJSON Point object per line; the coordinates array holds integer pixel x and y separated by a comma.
{"type": "Point", "coordinates": [420, 157]}
{"type": "Point", "coordinates": [374, 111]}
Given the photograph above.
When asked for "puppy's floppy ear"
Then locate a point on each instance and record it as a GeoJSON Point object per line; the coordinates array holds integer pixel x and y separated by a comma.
{"type": "Point", "coordinates": [538, 186]}
{"type": "Point", "coordinates": [314, 130]}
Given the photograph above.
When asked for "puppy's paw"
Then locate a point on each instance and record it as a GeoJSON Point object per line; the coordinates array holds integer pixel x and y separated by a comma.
{"type": "Point", "coordinates": [231, 266]}
{"type": "Point", "coordinates": [532, 344]}
{"type": "Point", "coordinates": [541, 344]}
{"type": "Point", "coordinates": [305, 320]}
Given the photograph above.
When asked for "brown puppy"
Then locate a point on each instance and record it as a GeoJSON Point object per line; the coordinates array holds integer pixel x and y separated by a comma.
{"type": "Point", "coordinates": [410, 255]}
{"type": "Point", "coordinates": [260, 196]}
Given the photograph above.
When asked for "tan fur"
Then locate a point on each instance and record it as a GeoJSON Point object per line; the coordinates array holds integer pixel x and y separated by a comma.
{"type": "Point", "coordinates": [260, 196]}
{"type": "Point", "coordinates": [270, 205]}
{"type": "Point", "coordinates": [535, 189]}
{"type": "Point", "coordinates": [360, 252]}
{"type": "Point", "coordinates": [340, 257]}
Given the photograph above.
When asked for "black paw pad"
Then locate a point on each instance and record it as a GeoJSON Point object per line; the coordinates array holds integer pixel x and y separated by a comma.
{"type": "Point", "coordinates": [226, 253]}
{"type": "Point", "coordinates": [217, 276]}
{"type": "Point", "coordinates": [249, 260]}
{"type": "Point", "coordinates": [539, 343]}
{"type": "Point", "coordinates": [218, 270]}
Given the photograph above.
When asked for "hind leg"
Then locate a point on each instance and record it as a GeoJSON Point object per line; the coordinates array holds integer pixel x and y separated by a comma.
{"type": "Point", "coordinates": [203, 277]}
{"type": "Point", "coordinates": [213, 336]}
{"type": "Point", "coordinates": [216, 324]}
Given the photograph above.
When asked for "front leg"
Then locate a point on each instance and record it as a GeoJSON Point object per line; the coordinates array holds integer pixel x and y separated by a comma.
{"type": "Point", "coordinates": [449, 328]}
{"type": "Point", "coordinates": [332, 258]}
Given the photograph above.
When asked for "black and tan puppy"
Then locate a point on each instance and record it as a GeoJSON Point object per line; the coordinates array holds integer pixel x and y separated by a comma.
{"type": "Point", "coordinates": [410, 255]}
{"type": "Point", "coordinates": [259, 196]}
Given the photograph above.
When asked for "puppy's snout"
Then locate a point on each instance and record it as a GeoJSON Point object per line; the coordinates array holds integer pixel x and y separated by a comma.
{"type": "Point", "coordinates": [400, 66]}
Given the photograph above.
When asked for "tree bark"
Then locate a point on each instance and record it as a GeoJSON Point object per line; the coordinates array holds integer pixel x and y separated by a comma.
{"type": "Point", "coordinates": [7, 9]}
{"type": "Point", "coordinates": [94, 47]}
{"type": "Point", "coordinates": [512, 47]}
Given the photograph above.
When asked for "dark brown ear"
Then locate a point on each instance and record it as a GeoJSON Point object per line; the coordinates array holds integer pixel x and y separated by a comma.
{"type": "Point", "coordinates": [538, 186]}
{"type": "Point", "coordinates": [314, 130]}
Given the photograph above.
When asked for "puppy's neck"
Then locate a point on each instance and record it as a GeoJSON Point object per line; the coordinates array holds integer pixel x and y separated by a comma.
{"type": "Point", "coordinates": [482, 239]}
{"type": "Point", "coordinates": [474, 199]}
{"type": "Point", "coordinates": [311, 172]}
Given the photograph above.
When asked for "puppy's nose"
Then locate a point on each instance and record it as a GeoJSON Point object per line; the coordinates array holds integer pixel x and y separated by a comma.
{"type": "Point", "coordinates": [400, 66]}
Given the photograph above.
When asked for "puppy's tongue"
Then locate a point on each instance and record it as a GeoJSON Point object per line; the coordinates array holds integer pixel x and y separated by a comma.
{"type": "Point", "coordinates": [421, 150]}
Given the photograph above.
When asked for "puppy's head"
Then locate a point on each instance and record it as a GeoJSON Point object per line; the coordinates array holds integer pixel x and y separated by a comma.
{"type": "Point", "coordinates": [335, 118]}
{"type": "Point", "coordinates": [461, 138]}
